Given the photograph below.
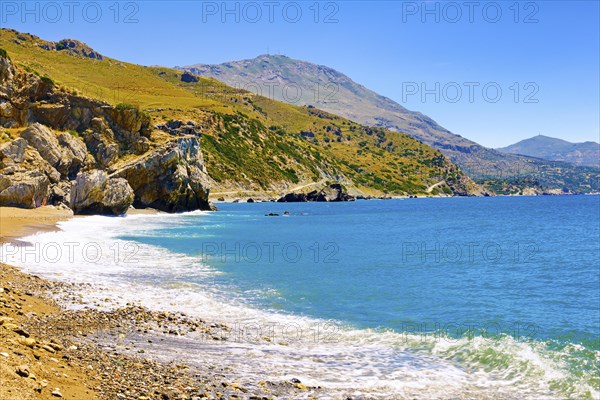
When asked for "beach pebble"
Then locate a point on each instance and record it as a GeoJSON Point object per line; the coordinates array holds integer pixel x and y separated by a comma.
{"type": "Point", "coordinates": [23, 371]}
{"type": "Point", "coordinates": [21, 332]}
{"type": "Point", "coordinates": [29, 342]}
{"type": "Point", "coordinates": [55, 346]}
{"type": "Point", "coordinates": [48, 348]}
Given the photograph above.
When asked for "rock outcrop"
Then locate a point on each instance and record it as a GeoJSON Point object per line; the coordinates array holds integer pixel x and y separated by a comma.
{"type": "Point", "coordinates": [332, 193]}
{"type": "Point", "coordinates": [75, 47]}
{"type": "Point", "coordinates": [189, 78]}
{"type": "Point", "coordinates": [17, 156]}
{"type": "Point", "coordinates": [13, 152]}
{"type": "Point", "coordinates": [24, 189]}
{"type": "Point", "coordinates": [65, 153]}
{"type": "Point", "coordinates": [74, 152]}
{"type": "Point", "coordinates": [172, 178]}
{"type": "Point", "coordinates": [178, 128]}
{"type": "Point", "coordinates": [38, 167]}
{"type": "Point", "coordinates": [95, 193]}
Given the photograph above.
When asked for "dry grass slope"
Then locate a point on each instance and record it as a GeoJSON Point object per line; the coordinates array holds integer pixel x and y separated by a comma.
{"type": "Point", "coordinates": [251, 143]}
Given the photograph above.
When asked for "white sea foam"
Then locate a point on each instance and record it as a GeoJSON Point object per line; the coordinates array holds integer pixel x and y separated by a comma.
{"type": "Point", "coordinates": [320, 353]}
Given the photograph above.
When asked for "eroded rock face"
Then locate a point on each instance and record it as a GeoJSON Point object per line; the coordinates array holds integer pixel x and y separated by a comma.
{"type": "Point", "coordinates": [17, 156]}
{"type": "Point", "coordinates": [13, 152]}
{"type": "Point", "coordinates": [333, 192]}
{"type": "Point", "coordinates": [74, 152]}
{"type": "Point", "coordinates": [45, 142]}
{"type": "Point", "coordinates": [178, 128]}
{"type": "Point", "coordinates": [189, 78]}
{"type": "Point", "coordinates": [38, 167]}
{"type": "Point", "coordinates": [65, 153]}
{"type": "Point", "coordinates": [172, 178]}
{"type": "Point", "coordinates": [75, 47]}
{"type": "Point", "coordinates": [18, 91]}
{"type": "Point", "coordinates": [24, 189]}
{"type": "Point", "coordinates": [95, 193]}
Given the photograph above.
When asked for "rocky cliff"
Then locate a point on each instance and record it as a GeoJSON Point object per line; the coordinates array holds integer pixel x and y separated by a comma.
{"type": "Point", "coordinates": [89, 155]}
{"type": "Point", "coordinates": [252, 146]}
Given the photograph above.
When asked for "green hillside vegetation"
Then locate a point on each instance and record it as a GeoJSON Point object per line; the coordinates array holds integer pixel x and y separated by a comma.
{"type": "Point", "coordinates": [249, 142]}
{"type": "Point", "coordinates": [330, 90]}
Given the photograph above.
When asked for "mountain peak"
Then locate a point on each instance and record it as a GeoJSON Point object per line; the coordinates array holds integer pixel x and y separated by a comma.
{"type": "Point", "coordinates": [554, 149]}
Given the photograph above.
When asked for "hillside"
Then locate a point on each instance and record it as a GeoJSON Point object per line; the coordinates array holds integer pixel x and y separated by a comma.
{"type": "Point", "coordinates": [279, 77]}
{"type": "Point", "coordinates": [250, 145]}
{"type": "Point", "coordinates": [548, 148]}
{"type": "Point", "coordinates": [304, 83]}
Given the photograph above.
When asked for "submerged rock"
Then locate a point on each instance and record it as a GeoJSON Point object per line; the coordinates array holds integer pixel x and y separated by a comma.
{"type": "Point", "coordinates": [95, 193]}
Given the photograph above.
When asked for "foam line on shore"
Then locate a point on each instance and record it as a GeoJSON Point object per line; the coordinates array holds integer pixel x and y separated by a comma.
{"type": "Point", "coordinates": [371, 361]}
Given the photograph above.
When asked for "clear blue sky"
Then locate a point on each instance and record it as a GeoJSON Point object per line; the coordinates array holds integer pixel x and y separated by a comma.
{"type": "Point", "coordinates": [549, 48]}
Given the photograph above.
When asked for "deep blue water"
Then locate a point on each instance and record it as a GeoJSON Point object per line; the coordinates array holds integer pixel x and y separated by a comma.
{"type": "Point", "coordinates": [524, 266]}
{"type": "Point", "coordinates": [420, 298]}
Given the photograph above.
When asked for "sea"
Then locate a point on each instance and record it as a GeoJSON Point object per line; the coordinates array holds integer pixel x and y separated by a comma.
{"type": "Point", "coordinates": [430, 298]}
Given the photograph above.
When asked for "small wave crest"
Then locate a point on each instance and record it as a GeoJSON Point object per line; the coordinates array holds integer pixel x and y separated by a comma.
{"type": "Point", "coordinates": [261, 343]}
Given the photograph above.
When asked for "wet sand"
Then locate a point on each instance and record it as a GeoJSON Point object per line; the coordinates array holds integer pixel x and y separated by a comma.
{"type": "Point", "coordinates": [18, 222]}
{"type": "Point", "coordinates": [51, 350]}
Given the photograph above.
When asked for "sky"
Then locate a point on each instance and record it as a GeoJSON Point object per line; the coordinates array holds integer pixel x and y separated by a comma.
{"type": "Point", "coordinates": [495, 72]}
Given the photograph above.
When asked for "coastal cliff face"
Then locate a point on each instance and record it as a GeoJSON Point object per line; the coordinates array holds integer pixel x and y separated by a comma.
{"type": "Point", "coordinates": [251, 146]}
{"type": "Point", "coordinates": [172, 178]}
{"type": "Point", "coordinates": [88, 155]}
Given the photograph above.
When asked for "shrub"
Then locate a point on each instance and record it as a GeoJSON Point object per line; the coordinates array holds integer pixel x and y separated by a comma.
{"type": "Point", "coordinates": [3, 53]}
{"type": "Point", "coordinates": [126, 106]}
{"type": "Point", "coordinates": [47, 80]}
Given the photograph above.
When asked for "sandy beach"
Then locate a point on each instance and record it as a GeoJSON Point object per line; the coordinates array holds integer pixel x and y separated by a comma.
{"type": "Point", "coordinates": [19, 222]}
{"type": "Point", "coordinates": [48, 351]}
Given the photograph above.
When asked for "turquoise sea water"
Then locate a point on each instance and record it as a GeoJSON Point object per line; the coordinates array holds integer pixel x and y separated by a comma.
{"type": "Point", "coordinates": [501, 294]}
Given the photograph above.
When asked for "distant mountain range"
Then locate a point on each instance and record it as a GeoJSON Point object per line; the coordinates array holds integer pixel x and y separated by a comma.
{"type": "Point", "coordinates": [302, 83]}
{"type": "Point", "coordinates": [123, 118]}
{"type": "Point", "coordinates": [548, 148]}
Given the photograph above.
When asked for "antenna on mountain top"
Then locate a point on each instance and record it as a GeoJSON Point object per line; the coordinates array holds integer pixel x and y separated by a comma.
{"type": "Point", "coordinates": [268, 51]}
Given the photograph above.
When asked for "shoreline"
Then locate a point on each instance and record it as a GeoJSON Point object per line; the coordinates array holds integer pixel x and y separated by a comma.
{"type": "Point", "coordinates": [19, 222]}
{"type": "Point", "coordinates": [242, 199]}
{"type": "Point", "coordinates": [106, 350]}
{"type": "Point", "coordinates": [49, 350]}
